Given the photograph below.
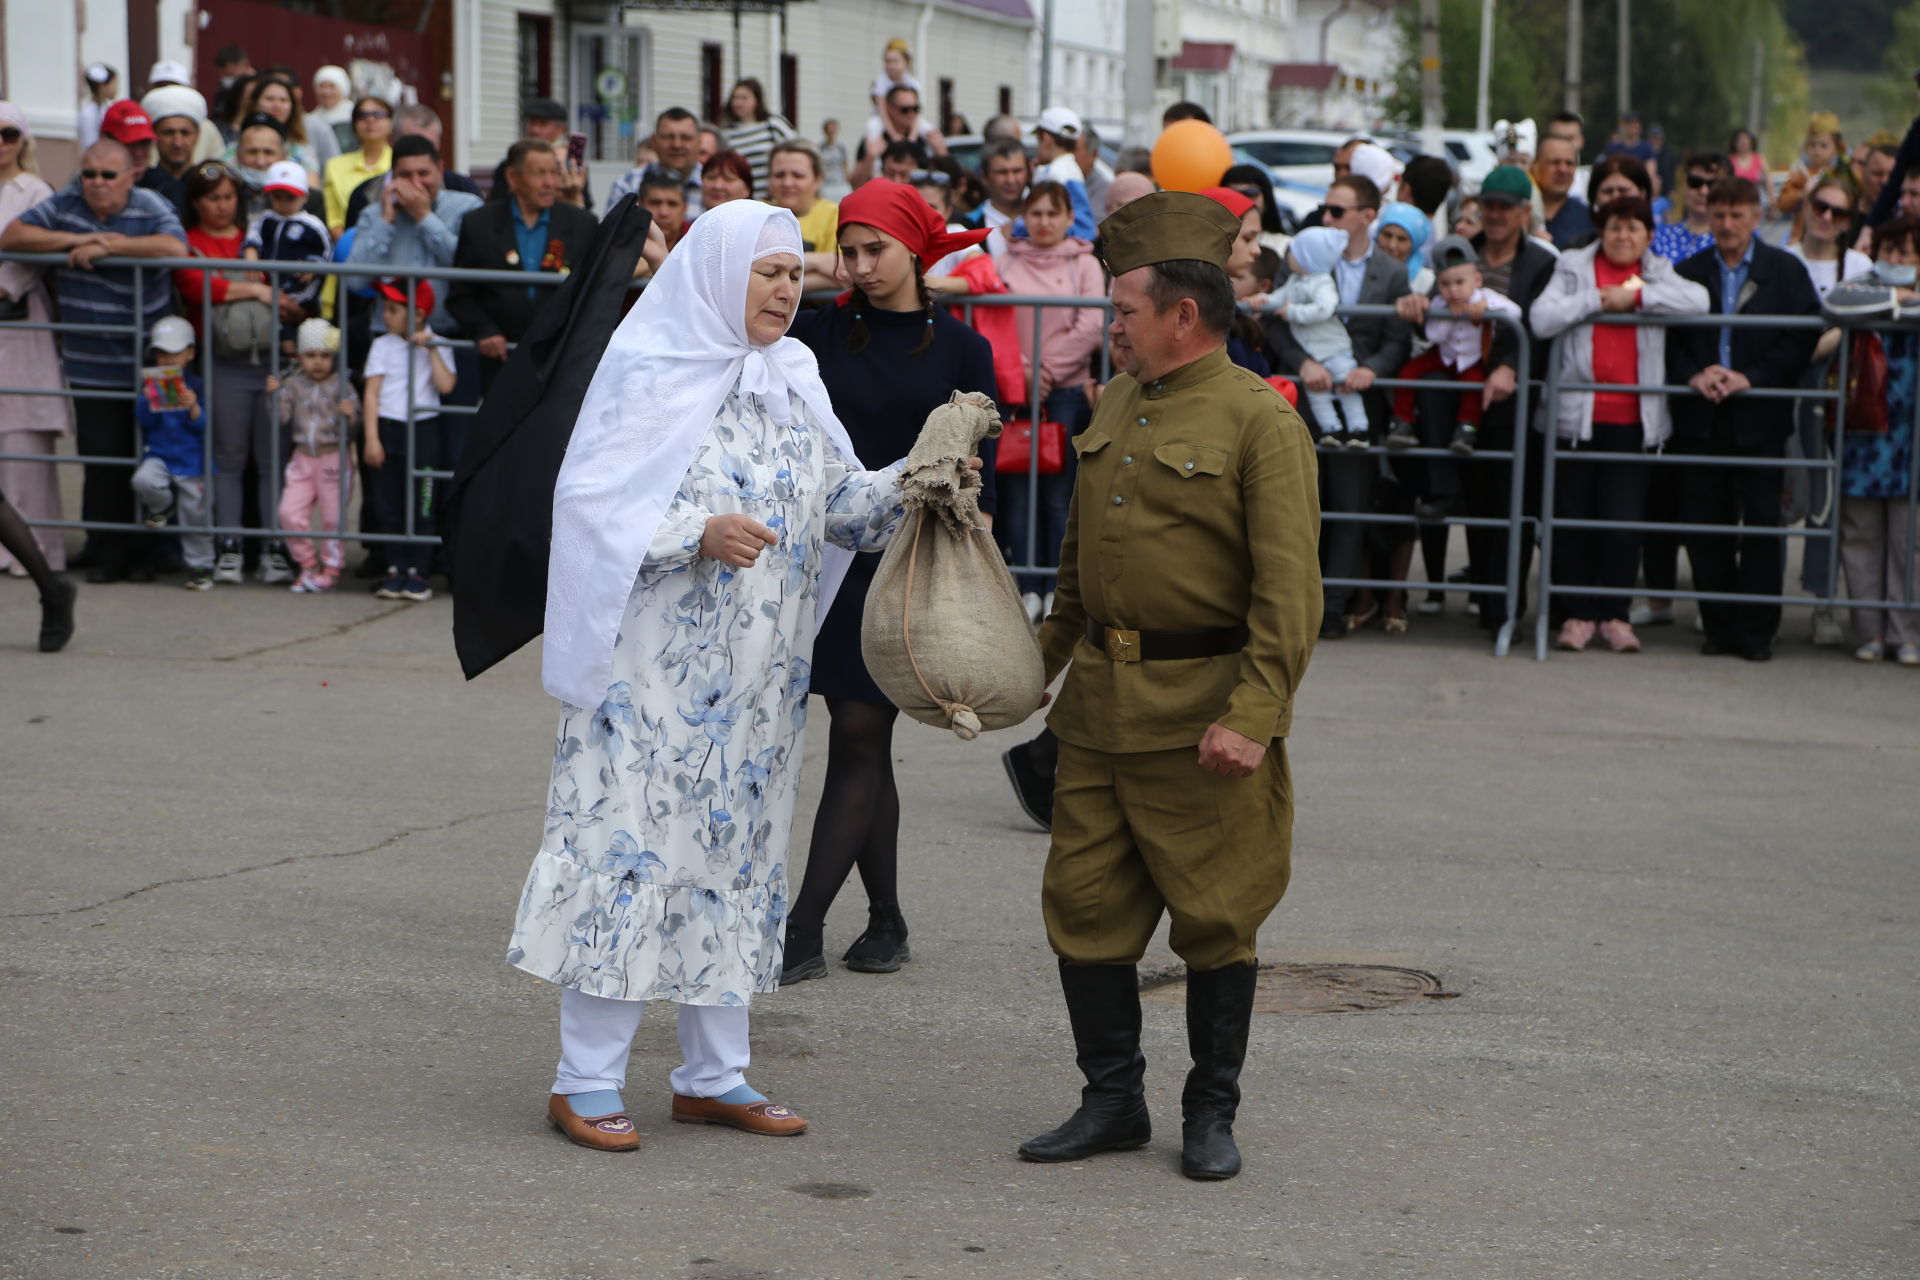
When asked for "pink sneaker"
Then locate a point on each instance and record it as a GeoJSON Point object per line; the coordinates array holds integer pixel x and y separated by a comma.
{"type": "Point", "coordinates": [1575, 634]}
{"type": "Point", "coordinates": [1619, 636]}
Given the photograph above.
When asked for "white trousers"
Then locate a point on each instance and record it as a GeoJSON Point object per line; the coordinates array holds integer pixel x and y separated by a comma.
{"type": "Point", "coordinates": [596, 1038]}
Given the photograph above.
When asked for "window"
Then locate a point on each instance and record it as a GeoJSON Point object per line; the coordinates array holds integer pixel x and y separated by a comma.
{"type": "Point", "coordinates": [712, 71]}
{"type": "Point", "coordinates": [790, 88]}
{"type": "Point", "coordinates": [946, 104]}
{"type": "Point", "coordinates": [535, 56]}
{"type": "Point", "coordinates": [608, 86]}
{"type": "Point", "coordinates": [1006, 99]}
{"type": "Point", "coordinates": [1276, 154]}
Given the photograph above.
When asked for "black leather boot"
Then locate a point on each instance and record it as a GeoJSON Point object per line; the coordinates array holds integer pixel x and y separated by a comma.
{"type": "Point", "coordinates": [1103, 1004]}
{"type": "Point", "coordinates": [883, 947]}
{"type": "Point", "coordinates": [1219, 1009]}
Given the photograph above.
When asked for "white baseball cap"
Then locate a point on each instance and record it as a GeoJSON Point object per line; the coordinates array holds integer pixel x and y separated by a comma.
{"type": "Point", "coordinates": [167, 71]}
{"type": "Point", "coordinates": [286, 175]}
{"type": "Point", "coordinates": [1061, 122]}
{"type": "Point", "coordinates": [171, 335]}
{"type": "Point", "coordinates": [99, 73]}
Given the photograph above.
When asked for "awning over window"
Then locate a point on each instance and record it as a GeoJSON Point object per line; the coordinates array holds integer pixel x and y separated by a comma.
{"type": "Point", "coordinates": [1204, 55]}
{"type": "Point", "coordinates": [1302, 75]}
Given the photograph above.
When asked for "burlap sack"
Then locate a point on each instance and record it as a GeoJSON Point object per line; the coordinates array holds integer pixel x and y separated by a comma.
{"type": "Point", "coordinates": [944, 635]}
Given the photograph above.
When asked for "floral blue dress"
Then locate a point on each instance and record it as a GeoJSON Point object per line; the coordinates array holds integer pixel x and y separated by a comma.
{"type": "Point", "coordinates": [663, 871]}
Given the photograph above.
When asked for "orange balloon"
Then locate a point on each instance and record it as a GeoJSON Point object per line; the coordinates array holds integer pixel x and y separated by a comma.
{"type": "Point", "coordinates": [1190, 155]}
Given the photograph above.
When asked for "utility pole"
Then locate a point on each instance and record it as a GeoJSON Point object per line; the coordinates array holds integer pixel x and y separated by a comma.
{"type": "Point", "coordinates": [1754, 119]}
{"type": "Point", "coordinates": [1572, 102]}
{"type": "Point", "coordinates": [1432, 102]}
{"type": "Point", "coordinates": [1046, 57]}
{"type": "Point", "coordinates": [1623, 88]}
{"type": "Point", "coordinates": [1482, 116]}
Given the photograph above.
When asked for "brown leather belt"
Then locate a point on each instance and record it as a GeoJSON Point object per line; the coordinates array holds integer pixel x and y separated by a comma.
{"type": "Point", "coordinates": [1156, 646]}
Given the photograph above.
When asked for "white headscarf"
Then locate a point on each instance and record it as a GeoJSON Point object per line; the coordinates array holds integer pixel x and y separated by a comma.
{"type": "Point", "coordinates": [669, 367]}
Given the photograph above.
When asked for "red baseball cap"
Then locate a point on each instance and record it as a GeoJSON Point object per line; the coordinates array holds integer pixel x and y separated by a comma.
{"type": "Point", "coordinates": [126, 123]}
{"type": "Point", "coordinates": [395, 290]}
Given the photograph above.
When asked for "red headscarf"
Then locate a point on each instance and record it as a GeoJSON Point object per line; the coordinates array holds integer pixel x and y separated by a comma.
{"type": "Point", "coordinates": [901, 212]}
{"type": "Point", "coordinates": [1237, 202]}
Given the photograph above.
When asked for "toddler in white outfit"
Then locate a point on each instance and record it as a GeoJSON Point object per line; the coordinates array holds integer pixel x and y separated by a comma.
{"type": "Point", "coordinates": [1306, 302]}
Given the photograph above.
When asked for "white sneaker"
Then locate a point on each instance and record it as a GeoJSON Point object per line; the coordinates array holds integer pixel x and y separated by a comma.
{"type": "Point", "coordinates": [1647, 616]}
{"type": "Point", "coordinates": [228, 568]}
{"type": "Point", "coordinates": [274, 567]}
{"type": "Point", "coordinates": [1826, 629]}
{"type": "Point", "coordinates": [1699, 624]}
{"type": "Point", "coordinates": [1030, 601]}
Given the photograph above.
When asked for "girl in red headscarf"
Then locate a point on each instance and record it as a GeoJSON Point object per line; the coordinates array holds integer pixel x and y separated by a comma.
{"type": "Point", "coordinates": [888, 357]}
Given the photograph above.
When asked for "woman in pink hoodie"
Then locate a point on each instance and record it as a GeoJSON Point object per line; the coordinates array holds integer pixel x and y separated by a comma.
{"type": "Point", "coordinates": [1048, 262]}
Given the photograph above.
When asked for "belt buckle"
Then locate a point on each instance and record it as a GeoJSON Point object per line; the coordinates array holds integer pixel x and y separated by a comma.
{"type": "Point", "coordinates": [1123, 646]}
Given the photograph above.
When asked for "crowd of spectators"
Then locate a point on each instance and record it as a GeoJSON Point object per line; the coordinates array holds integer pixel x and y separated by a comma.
{"type": "Point", "coordinates": [265, 168]}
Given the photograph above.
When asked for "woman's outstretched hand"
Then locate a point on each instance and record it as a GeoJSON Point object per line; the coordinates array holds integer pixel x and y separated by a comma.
{"type": "Point", "coordinates": [736, 540]}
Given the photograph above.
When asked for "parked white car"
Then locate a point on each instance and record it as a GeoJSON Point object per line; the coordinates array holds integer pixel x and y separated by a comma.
{"type": "Point", "coordinates": [1298, 157]}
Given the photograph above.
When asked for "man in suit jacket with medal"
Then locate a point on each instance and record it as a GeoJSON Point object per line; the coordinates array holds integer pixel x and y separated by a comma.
{"type": "Point", "coordinates": [530, 231]}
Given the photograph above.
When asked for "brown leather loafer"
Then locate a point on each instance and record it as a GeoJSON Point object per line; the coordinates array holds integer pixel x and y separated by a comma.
{"type": "Point", "coordinates": [769, 1118]}
{"type": "Point", "coordinates": [614, 1132]}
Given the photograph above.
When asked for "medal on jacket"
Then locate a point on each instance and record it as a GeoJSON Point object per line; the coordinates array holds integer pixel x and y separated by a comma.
{"type": "Point", "coordinates": [513, 257]}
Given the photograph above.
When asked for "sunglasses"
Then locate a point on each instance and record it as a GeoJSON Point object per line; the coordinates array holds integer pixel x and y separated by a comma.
{"type": "Point", "coordinates": [911, 110]}
{"type": "Point", "coordinates": [1698, 180]}
{"type": "Point", "coordinates": [1335, 212]}
{"type": "Point", "coordinates": [1831, 210]}
{"type": "Point", "coordinates": [99, 175]}
{"type": "Point", "coordinates": [372, 115]}
{"type": "Point", "coordinates": [9, 135]}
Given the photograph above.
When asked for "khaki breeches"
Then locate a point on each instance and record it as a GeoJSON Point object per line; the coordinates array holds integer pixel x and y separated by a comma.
{"type": "Point", "coordinates": [1141, 833]}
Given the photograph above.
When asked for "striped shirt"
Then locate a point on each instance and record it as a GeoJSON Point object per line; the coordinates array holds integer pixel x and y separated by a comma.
{"type": "Point", "coordinates": [756, 142]}
{"type": "Point", "coordinates": [105, 294]}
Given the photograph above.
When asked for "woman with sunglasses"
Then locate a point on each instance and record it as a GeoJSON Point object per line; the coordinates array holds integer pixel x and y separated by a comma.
{"type": "Point", "coordinates": [373, 126]}
{"type": "Point", "coordinates": [1687, 229]}
{"type": "Point", "coordinates": [28, 361]}
{"type": "Point", "coordinates": [1823, 229]}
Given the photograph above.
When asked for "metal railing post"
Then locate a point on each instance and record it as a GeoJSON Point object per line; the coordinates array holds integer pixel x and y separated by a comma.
{"type": "Point", "coordinates": [1516, 500]}
{"type": "Point", "coordinates": [1549, 477]}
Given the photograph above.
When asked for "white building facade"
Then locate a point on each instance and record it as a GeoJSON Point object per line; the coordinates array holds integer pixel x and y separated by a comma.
{"type": "Point", "coordinates": [617, 67]}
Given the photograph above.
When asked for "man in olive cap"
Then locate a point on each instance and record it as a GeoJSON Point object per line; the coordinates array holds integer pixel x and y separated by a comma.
{"type": "Point", "coordinates": [1188, 602]}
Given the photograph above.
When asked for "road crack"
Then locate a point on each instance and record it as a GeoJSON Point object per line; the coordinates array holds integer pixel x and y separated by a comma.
{"type": "Point", "coordinates": [338, 630]}
{"type": "Point", "coordinates": [289, 860]}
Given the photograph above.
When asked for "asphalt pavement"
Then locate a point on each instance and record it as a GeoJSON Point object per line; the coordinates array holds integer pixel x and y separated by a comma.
{"type": "Point", "coordinates": [262, 852]}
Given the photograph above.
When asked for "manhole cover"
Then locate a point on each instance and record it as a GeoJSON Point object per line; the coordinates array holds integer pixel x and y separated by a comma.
{"type": "Point", "coordinates": [1325, 988]}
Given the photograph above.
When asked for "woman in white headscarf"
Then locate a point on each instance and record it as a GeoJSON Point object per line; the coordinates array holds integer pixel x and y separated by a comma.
{"type": "Point", "coordinates": [707, 507]}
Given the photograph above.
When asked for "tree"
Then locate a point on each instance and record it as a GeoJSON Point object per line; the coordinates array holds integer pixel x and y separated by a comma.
{"type": "Point", "coordinates": [1692, 67]}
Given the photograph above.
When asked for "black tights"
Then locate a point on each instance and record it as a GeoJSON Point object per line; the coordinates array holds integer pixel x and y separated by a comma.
{"type": "Point", "coordinates": [19, 541]}
{"type": "Point", "coordinates": [859, 818]}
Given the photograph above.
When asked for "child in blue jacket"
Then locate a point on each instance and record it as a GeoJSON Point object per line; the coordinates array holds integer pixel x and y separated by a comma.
{"type": "Point", "coordinates": [171, 478]}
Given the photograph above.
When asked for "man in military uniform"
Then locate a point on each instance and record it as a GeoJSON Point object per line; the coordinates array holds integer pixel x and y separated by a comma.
{"type": "Point", "coordinates": [1188, 602]}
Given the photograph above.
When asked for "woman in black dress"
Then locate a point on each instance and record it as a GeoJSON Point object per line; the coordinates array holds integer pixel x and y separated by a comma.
{"type": "Point", "coordinates": [888, 357]}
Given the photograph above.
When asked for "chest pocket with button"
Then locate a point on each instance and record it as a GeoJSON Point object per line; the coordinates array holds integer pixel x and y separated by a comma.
{"type": "Point", "coordinates": [1191, 460]}
{"type": "Point", "coordinates": [1090, 442]}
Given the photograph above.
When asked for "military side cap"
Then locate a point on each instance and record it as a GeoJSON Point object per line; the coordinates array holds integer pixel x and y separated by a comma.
{"type": "Point", "coordinates": [1164, 227]}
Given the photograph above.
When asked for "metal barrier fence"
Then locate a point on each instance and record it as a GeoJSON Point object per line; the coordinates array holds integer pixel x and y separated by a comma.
{"type": "Point", "coordinates": [1831, 464]}
{"type": "Point", "coordinates": [421, 476]}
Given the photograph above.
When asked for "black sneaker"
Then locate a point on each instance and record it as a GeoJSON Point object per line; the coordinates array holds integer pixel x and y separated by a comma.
{"type": "Point", "coordinates": [1032, 788]}
{"type": "Point", "coordinates": [393, 587]}
{"type": "Point", "coordinates": [56, 616]}
{"type": "Point", "coordinates": [883, 947]}
{"type": "Point", "coordinates": [1465, 437]}
{"type": "Point", "coordinates": [1432, 509]}
{"type": "Point", "coordinates": [804, 956]}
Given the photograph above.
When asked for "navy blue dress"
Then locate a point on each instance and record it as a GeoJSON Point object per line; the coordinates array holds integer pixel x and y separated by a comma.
{"type": "Point", "coordinates": [882, 396]}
